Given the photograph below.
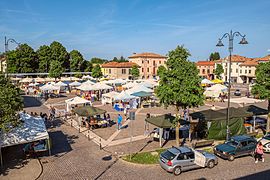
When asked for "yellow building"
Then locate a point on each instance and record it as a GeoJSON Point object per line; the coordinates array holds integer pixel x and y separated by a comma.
{"type": "Point", "coordinates": [3, 64]}
{"type": "Point", "coordinates": [118, 70]}
{"type": "Point", "coordinates": [149, 63]}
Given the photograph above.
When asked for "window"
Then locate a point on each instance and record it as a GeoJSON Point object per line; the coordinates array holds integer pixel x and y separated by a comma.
{"type": "Point", "coordinates": [154, 63]}
{"type": "Point", "coordinates": [245, 71]}
{"type": "Point", "coordinates": [124, 71]}
{"type": "Point", "coordinates": [208, 71]}
{"type": "Point", "coordinates": [236, 70]}
{"type": "Point", "coordinates": [129, 71]}
{"type": "Point", "coordinates": [110, 71]}
{"type": "Point", "coordinates": [182, 157]}
{"type": "Point", "coordinates": [243, 143]}
{"type": "Point", "coordinates": [190, 155]}
{"type": "Point", "coordinates": [142, 70]}
{"type": "Point", "coordinates": [203, 71]}
{"type": "Point", "coordinates": [147, 69]}
{"type": "Point", "coordinates": [159, 62]}
{"type": "Point", "coordinates": [142, 61]}
{"type": "Point", "coordinates": [240, 71]}
{"type": "Point", "coordinates": [250, 142]}
{"type": "Point", "coordinates": [249, 71]}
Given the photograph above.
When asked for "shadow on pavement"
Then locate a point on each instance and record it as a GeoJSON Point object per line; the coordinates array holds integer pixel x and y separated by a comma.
{"type": "Point", "coordinates": [30, 101]}
{"type": "Point", "coordinates": [260, 175]}
{"type": "Point", "coordinates": [13, 158]}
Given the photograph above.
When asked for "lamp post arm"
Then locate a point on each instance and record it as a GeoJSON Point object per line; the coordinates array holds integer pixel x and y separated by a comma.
{"type": "Point", "coordinates": [238, 34]}
{"type": "Point", "coordinates": [225, 36]}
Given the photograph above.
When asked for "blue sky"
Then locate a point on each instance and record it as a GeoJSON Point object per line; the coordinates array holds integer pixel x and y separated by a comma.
{"type": "Point", "coordinates": [108, 28]}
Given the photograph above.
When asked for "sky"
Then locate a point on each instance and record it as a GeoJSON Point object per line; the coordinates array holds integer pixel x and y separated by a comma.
{"type": "Point", "coordinates": [114, 28]}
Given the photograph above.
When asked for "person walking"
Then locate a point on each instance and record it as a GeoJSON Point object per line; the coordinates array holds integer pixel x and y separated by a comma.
{"type": "Point", "coordinates": [259, 152]}
{"type": "Point", "coordinates": [119, 122]}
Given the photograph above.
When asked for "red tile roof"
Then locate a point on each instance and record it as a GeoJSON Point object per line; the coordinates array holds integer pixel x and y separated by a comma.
{"type": "Point", "coordinates": [119, 65]}
{"type": "Point", "coordinates": [237, 58]}
{"type": "Point", "coordinates": [250, 63]}
{"type": "Point", "coordinates": [205, 63]}
{"type": "Point", "coordinates": [147, 55]}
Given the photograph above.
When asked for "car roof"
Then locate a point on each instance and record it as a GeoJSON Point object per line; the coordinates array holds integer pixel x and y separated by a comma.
{"type": "Point", "coordinates": [181, 149]}
{"type": "Point", "coordinates": [241, 137]}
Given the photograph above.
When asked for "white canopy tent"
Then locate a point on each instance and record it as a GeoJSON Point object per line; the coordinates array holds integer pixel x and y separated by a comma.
{"type": "Point", "coordinates": [88, 77]}
{"type": "Point", "coordinates": [244, 100]}
{"type": "Point", "coordinates": [101, 86]}
{"type": "Point", "coordinates": [139, 88]}
{"type": "Point", "coordinates": [129, 85]}
{"type": "Point", "coordinates": [75, 83]}
{"type": "Point", "coordinates": [33, 129]}
{"type": "Point", "coordinates": [109, 97]}
{"type": "Point", "coordinates": [86, 86]}
{"type": "Point", "coordinates": [206, 81]}
{"type": "Point", "coordinates": [61, 84]}
{"type": "Point", "coordinates": [215, 90]}
{"type": "Point", "coordinates": [75, 101]}
{"type": "Point", "coordinates": [49, 87]}
{"type": "Point", "coordinates": [124, 96]}
{"type": "Point", "coordinates": [116, 81]}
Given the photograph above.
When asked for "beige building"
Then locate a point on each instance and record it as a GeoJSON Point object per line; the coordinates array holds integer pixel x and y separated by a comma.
{"type": "Point", "coordinates": [118, 70]}
{"type": "Point", "coordinates": [242, 68]}
{"type": "Point", "coordinates": [149, 63]}
{"type": "Point", "coordinates": [3, 64]}
{"type": "Point", "coordinates": [206, 69]}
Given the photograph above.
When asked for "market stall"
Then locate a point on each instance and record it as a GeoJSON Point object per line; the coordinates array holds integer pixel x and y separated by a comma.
{"type": "Point", "coordinates": [71, 103]}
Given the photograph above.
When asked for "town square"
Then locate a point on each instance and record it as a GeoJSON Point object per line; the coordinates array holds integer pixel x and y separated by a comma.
{"type": "Point", "coordinates": [93, 90]}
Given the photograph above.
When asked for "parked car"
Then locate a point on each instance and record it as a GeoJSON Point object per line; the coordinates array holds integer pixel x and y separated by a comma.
{"type": "Point", "coordinates": [179, 159]}
{"type": "Point", "coordinates": [237, 92]}
{"type": "Point", "coordinates": [265, 142]}
{"type": "Point", "coordinates": [238, 146]}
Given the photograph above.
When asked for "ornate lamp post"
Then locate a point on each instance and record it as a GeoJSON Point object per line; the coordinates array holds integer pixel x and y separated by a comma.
{"type": "Point", "coordinates": [230, 36]}
{"type": "Point", "coordinates": [10, 40]}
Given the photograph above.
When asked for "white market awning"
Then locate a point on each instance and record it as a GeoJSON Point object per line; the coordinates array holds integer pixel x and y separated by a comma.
{"type": "Point", "coordinates": [76, 100]}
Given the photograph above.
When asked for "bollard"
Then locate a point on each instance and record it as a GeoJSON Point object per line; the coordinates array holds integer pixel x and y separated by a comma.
{"type": "Point", "coordinates": [79, 129]}
{"type": "Point", "coordinates": [88, 135]}
{"type": "Point", "coordinates": [100, 147]}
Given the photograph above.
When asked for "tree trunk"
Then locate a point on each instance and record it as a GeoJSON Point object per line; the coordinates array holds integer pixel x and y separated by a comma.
{"type": "Point", "coordinates": [177, 127]}
{"type": "Point", "coordinates": [268, 117]}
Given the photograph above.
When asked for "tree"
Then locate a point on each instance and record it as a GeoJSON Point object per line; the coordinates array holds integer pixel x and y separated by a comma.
{"type": "Point", "coordinates": [22, 60]}
{"type": "Point", "coordinates": [161, 70]}
{"type": "Point", "coordinates": [122, 59]}
{"type": "Point", "coordinates": [96, 72]}
{"type": "Point", "coordinates": [135, 72]}
{"type": "Point", "coordinates": [180, 84]}
{"type": "Point", "coordinates": [96, 60]}
{"type": "Point", "coordinates": [59, 53]}
{"type": "Point", "coordinates": [214, 56]}
{"type": "Point", "coordinates": [44, 58]}
{"type": "Point", "coordinates": [76, 61]}
{"type": "Point", "coordinates": [218, 71]}
{"type": "Point", "coordinates": [56, 69]}
{"type": "Point", "coordinates": [87, 66]}
{"type": "Point", "coordinates": [11, 102]}
{"type": "Point", "coordinates": [262, 86]}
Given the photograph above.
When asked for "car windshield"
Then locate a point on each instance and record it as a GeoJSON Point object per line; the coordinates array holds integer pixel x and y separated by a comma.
{"type": "Point", "coordinates": [233, 143]}
{"type": "Point", "coordinates": [168, 155]}
{"type": "Point", "coordinates": [267, 137]}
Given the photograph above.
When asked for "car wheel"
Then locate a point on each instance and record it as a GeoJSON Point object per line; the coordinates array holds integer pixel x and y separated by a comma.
{"type": "Point", "coordinates": [231, 158]}
{"type": "Point", "coordinates": [210, 164]}
{"type": "Point", "coordinates": [177, 171]}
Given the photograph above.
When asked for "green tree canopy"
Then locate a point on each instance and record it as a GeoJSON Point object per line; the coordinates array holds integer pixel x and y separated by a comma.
{"type": "Point", "coordinates": [76, 61]}
{"type": "Point", "coordinates": [96, 72]}
{"type": "Point", "coordinates": [214, 56]}
{"type": "Point", "coordinates": [135, 72]}
{"type": "Point", "coordinates": [10, 103]}
{"type": "Point", "coordinates": [87, 66]}
{"type": "Point", "coordinates": [96, 60]}
{"type": "Point", "coordinates": [22, 60]}
{"type": "Point", "coordinates": [44, 58]}
{"type": "Point", "coordinates": [56, 69]}
{"type": "Point", "coordinates": [218, 71]}
{"type": "Point", "coordinates": [262, 86]}
{"type": "Point", "coordinates": [180, 84]}
{"type": "Point", "coordinates": [59, 53]}
{"type": "Point", "coordinates": [121, 59]}
{"type": "Point", "coordinates": [161, 70]}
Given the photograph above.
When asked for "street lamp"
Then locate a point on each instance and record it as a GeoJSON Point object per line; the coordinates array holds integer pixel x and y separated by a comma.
{"type": "Point", "coordinates": [230, 36]}
{"type": "Point", "coordinates": [6, 50]}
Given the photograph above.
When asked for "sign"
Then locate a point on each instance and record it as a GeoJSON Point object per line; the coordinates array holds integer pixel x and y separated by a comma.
{"type": "Point", "coordinates": [132, 115]}
{"type": "Point", "coordinates": [200, 159]}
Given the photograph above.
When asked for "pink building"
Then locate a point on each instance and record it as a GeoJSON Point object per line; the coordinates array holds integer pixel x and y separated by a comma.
{"type": "Point", "coordinates": [206, 69]}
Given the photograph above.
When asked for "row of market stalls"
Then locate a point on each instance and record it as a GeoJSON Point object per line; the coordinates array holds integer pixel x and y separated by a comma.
{"type": "Point", "coordinates": [210, 123]}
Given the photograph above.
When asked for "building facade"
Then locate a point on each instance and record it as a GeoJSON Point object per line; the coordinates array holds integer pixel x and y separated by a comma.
{"type": "Point", "coordinates": [118, 70]}
{"type": "Point", "coordinates": [206, 69]}
{"type": "Point", "coordinates": [149, 63]}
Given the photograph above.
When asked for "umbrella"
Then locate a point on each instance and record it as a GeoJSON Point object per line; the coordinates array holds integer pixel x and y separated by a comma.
{"type": "Point", "coordinates": [49, 87]}
{"type": "Point", "coordinates": [138, 88]}
{"type": "Point", "coordinates": [60, 83]}
{"type": "Point", "coordinates": [101, 86]}
{"type": "Point", "coordinates": [147, 84]}
{"type": "Point", "coordinates": [129, 85]}
{"type": "Point", "coordinates": [88, 111]}
{"type": "Point", "coordinates": [75, 83]}
{"type": "Point", "coordinates": [206, 81]}
{"type": "Point", "coordinates": [87, 77]}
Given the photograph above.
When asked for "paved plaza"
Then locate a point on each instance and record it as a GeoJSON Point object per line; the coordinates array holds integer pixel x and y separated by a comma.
{"type": "Point", "coordinates": [76, 155]}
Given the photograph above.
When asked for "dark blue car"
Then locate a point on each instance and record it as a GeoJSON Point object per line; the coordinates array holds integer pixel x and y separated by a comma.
{"type": "Point", "coordinates": [238, 146]}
